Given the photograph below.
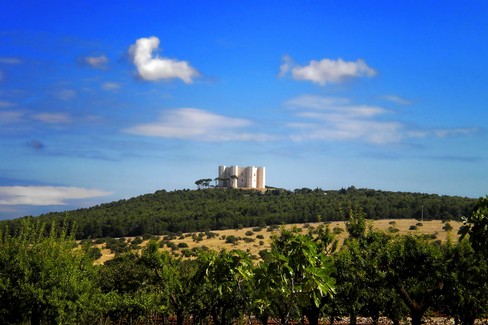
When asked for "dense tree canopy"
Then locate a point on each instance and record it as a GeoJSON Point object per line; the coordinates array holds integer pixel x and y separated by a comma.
{"type": "Point", "coordinates": [212, 209]}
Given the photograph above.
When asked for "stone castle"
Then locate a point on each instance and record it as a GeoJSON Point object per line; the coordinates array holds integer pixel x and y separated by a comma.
{"type": "Point", "coordinates": [242, 177]}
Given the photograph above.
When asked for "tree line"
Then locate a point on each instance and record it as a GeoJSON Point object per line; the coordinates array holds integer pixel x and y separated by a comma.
{"type": "Point", "coordinates": [166, 212]}
{"type": "Point", "coordinates": [47, 279]}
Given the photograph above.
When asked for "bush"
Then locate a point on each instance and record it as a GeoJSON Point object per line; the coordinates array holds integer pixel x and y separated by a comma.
{"type": "Point", "coordinates": [182, 245]}
{"type": "Point", "coordinates": [393, 230]}
{"type": "Point", "coordinates": [249, 233]}
{"type": "Point", "coordinates": [412, 227]}
{"type": "Point", "coordinates": [231, 239]}
{"type": "Point", "coordinates": [260, 237]}
{"type": "Point", "coordinates": [447, 227]}
{"type": "Point", "coordinates": [337, 230]}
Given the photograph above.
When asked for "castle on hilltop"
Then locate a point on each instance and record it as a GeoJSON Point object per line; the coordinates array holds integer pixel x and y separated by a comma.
{"type": "Point", "coordinates": [241, 177]}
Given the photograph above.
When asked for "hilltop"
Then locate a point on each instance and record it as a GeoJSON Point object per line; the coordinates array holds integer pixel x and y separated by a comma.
{"type": "Point", "coordinates": [165, 212]}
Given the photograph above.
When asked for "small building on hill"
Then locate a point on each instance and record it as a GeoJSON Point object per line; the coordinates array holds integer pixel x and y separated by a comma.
{"type": "Point", "coordinates": [241, 177]}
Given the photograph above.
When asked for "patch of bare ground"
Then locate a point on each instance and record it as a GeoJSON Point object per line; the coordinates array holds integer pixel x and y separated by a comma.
{"type": "Point", "coordinates": [255, 239]}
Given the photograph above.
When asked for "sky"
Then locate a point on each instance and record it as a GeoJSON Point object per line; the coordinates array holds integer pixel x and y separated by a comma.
{"type": "Point", "coordinates": [107, 100]}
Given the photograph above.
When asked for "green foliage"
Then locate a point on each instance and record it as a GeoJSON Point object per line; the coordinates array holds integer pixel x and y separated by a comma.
{"type": "Point", "coordinates": [43, 279]}
{"type": "Point", "coordinates": [199, 210]}
{"type": "Point", "coordinates": [476, 226]}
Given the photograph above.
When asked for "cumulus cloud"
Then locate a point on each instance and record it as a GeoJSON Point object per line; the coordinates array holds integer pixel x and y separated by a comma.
{"type": "Point", "coordinates": [154, 68]}
{"type": "Point", "coordinates": [326, 71]}
{"type": "Point", "coordinates": [97, 62]}
{"type": "Point", "coordinates": [45, 195]}
{"type": "Point", "coordinates": [52, 118]}
{"type": "Point", "coordinates": [329, 118]}
{"type": "Point", "coordinates": [199, 125]}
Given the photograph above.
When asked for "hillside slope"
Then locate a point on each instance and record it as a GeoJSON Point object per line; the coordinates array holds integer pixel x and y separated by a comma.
{"type": "Point", "coordinates": [213, 209]}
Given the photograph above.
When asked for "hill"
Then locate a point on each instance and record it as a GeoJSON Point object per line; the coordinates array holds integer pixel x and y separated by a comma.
{"type": "Point", "coordinates": [166, 212]}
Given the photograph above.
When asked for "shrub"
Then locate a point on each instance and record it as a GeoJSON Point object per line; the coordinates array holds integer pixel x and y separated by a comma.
{"type": "Point", "coordinates": [337, 230]}
{"type": "Point", "coordinates": [182, 245]}
{"type": "Point", "coordinates": [413, 227]}
{"type": "Point", "coordinates": [260, 237]}
{"type": "Point", "coordinates": [231, 239]}
{"type": "Point", "coordinates": [447, 227]}
{"type": "Point", "coordinates": [393, 230]}
{"type": "Point", "coordinates": [249, 233]}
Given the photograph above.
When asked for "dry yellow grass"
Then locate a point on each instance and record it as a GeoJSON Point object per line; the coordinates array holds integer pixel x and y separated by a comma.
{"type": "Point", "coordinates": [217, 243]}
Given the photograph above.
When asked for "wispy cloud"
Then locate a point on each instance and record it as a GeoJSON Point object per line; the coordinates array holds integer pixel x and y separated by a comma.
{"type": "Point", "coordinates": [397, 99]}
{"type": "Point", "coordinates": [157, 68]}
{"type": "Point", "coordinates": [97, 62]}
{"type": "Point", "coordinates": [326, 118]}
{"type": "Point", "coordinates": [326, 71]}
{"type": "Point", "coordinates": [110, 86]}
{"type": "Point", "coordinates": [45, 195]}
{"type": "Point", "coordinates": [443, 132]}
{"type": "Point", "coordinates": [66, 94]}
{"type": "Point", "coordinates": [8, 117]}
{"type": "Point", "coordinates": [199, 125]}
{"type": "Point", "coordinates": [52, 118]}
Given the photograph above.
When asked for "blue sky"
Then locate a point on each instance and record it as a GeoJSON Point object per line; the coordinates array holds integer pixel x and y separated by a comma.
{"type": "Point", "coordinates": [101, 101]}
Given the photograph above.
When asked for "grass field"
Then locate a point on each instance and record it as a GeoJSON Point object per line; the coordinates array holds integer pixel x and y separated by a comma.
{"type": "Point", "coordinates": [253, 241]}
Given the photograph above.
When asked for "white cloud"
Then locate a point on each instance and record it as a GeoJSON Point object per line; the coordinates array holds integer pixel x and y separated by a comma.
{"type": "Point", "coordinates": [97, 62]}
{"type": "Point", "coordinates": [52, 118]}
{"type": "Point", "coordinates": [156, 68]}
{"type": "Point", "coordinates": [338, 119]}
{"type": "Point", "coordinates": [397, 100]}
{"type": "Point", "coordinates": [443, 133]}
{"type": "Point", "coordinates": [286, 63]}
{"type": "Point", "coordinates": [198, 125]}
{"type": "Point", "coordinates": [111, 86]}
{"type": "Point", "coordinates": [330, 118]}
{"type": "Point", "coordinates": [45, 195]}
{"type": "Point", "coordinates": [327, 71]}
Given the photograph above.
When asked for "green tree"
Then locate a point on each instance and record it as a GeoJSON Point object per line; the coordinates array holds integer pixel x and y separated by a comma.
{"type": "Point", "coordinates": [476, 226]}
{"type": "Point", "coordinates": [466, 284]}
{"type": "Point", "coordinates": [223, 281]}
{"type": "Point", "coordinates": [299, 275]}
{"type": "Point", "coordinates": [43, 279]}
{"type": "Point", "coordinates": [416, 269]}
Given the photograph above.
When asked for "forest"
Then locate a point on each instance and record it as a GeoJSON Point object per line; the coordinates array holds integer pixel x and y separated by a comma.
{"type": "Point", "coordinates": [166, 212]}
{"type": "Point", "coordinates": [47, 277]}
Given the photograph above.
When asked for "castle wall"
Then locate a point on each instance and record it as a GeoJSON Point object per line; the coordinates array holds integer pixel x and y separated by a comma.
{"type": "Point", "coordinates": [241, 177]}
